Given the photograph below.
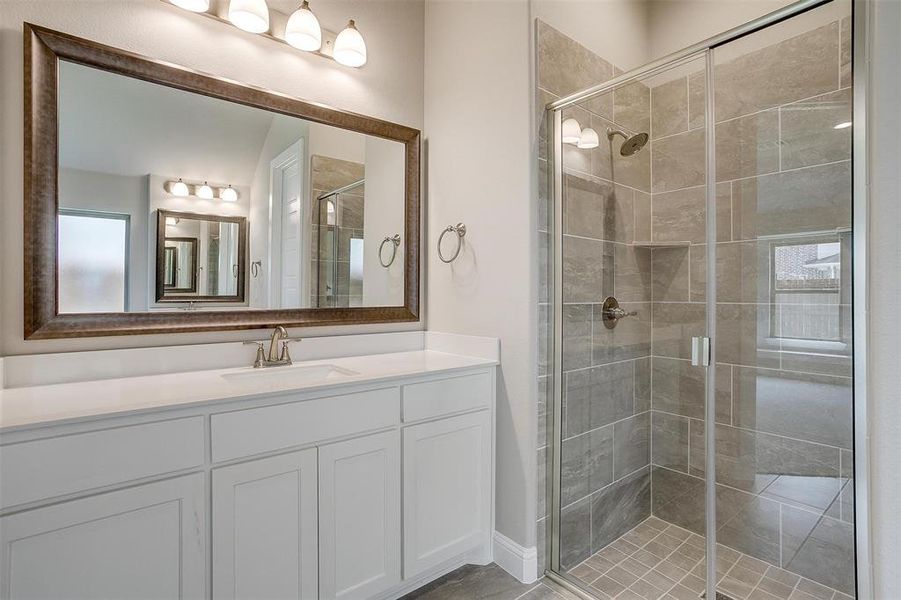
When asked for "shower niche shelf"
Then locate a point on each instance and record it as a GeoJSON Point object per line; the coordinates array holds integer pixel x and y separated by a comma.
{"type": "Point", "coordinates": [661, 244]}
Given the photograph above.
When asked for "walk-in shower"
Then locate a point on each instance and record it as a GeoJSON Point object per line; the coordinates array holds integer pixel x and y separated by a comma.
{"type": "Point", "coordinates": [698, 308]}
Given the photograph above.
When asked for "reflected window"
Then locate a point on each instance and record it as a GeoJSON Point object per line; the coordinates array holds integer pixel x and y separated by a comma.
{"type": "Point", "coordinates": [93, 261]}
{"type": "Point", "coordinates": [806, 290]}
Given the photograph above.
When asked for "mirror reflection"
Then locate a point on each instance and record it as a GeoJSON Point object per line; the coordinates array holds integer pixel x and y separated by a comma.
{"type": "Point", "coordinates": [172, 199]}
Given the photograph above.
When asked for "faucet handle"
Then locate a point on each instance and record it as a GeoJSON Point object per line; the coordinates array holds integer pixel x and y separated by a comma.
{"type": "Point", "coordinates": [261, 354]}
{"type": "Point", "coordinates": [285, 355]}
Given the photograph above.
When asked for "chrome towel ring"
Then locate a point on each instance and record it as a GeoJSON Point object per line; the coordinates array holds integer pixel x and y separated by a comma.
{"type": "Point", "coordinates": [395, 242]}
{"type": "Point", "coordinates": [460, 230]}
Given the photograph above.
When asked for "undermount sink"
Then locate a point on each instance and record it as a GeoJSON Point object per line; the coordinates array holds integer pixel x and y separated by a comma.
{"type": "Point", "coordinates": [291, 374]}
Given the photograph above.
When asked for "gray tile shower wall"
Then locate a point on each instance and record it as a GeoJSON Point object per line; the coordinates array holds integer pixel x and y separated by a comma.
{"type": "Point", "coordinates": [784, 403]}
{"type": "Point", "coordinates": [605, 483]}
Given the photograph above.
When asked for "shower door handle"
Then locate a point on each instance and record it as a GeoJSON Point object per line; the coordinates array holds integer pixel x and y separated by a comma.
{"type": "Point", "coordinates": [700, 351]}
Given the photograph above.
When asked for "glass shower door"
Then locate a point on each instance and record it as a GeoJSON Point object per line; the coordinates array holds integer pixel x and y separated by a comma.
{"type": "Point", "coordinates": [626, 463]}
{"type": "Point", "coordinates": [783, 289]}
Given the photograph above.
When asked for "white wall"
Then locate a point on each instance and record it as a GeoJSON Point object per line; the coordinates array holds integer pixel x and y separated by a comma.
{"type": "Point", "coordinates": [383, 216]}
{"type": "Point", "coordinates": [884, 328]}
{"type": "Point", "coordinates": [481, 151]}
{"type": "Point", "coordinates": [388, 87]}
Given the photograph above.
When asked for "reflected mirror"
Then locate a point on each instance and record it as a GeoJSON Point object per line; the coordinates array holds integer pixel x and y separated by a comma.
{"type": "Point", "coordinates": [171, 199]}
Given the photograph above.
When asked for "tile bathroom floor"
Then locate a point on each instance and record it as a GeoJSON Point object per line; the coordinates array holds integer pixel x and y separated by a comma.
{"type": "Point", "coordinates": [490, 582]}
{"type": "Point", "coordinates": [658, 560]}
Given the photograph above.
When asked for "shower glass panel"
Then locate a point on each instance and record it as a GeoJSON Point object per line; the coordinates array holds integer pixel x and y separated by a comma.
{"type": "Point", "coordinates": [784, 444]}
{"type": "Point", "coordinates": [632, 166]}
{"type": "Point", "coordinates": [337, 263]}
{"type": "Point", "coordinates": [745, 173]}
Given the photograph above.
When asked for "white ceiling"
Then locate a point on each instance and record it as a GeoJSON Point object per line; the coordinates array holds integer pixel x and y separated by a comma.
{"type": "Point", "coordinates": [115, 124]}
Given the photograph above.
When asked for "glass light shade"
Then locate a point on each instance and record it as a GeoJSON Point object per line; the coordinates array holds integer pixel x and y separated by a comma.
{"type": "Point", "coordinates": [205, 191]}
{"type": "Point", "coordinates": [303, 31]}
{"type": "Point", "coordinates": [171, 220]}
{"type": "Point", "coordinates": [249, 15]}
{"type": "Point", "coordinates": [228, 194]}
{"type": "Point", "coordinates": [572, 131]}
{"type": "Point", "coordinates": [589, 138]}
{"type": "Point", "coordinates": [179, 188]}
{"type": "Point", "coordinates": [844, 125]}
{"type": "Point", "coordinates": [192, 5]}
{"type": "Point", "coordinates": [350, 49]}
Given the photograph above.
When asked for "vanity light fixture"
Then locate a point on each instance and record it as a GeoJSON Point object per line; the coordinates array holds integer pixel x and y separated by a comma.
{"type": "Point", "coordinates": [572, 131]}
{"type": "Point", "coordinates": [300, 30]}
{"type": "Point", "coordinates": [249, 15]}
{"type": "Point", "coordinates": [843, 125]}
{"type": "Point", "coordinates": [198, 6]}
{"type": "Point", "coordinates": [204, 191]}
{"type": "Point", "coordinates": [303, 30]}
{"type": "Point", "coordinates": [172, 220]}
{"type": "Point", "coordinates": [350, 49]}
{"type": "Point", "coordinates": [179, 188]}
{"type": "Point", "coordinates": [588, 139]}
{"type": "Point", "coordinates": [228, 194]}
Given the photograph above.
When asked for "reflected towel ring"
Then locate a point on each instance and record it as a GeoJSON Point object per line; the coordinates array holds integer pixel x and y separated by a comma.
{"type": "Point", "coordinates": [255, 267]}
{"type": "Point", "coordinates": [395, 242]}
{"type": "Point", "coordinates": [460, 230]}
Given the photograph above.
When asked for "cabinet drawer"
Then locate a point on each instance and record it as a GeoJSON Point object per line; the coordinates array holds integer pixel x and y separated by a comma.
{"type": "Point", "coordinates": [73, 463]}
{"type": "Point", "coordinates": [446, 396]}
{"type": "Point", "coordinates": [257, 430]}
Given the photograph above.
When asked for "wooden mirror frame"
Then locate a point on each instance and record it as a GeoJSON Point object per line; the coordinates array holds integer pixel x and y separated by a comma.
{"type": "Point", "coordinates": [44, 48]}
{"type": "Point", "coordinates": [170, 295]}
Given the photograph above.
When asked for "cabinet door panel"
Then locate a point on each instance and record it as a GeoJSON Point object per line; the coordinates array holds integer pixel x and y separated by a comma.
{"type": "Point", "coordinates": [264, 528]}
{"type": "Point", "coordinates": [447, 489]}
{"type": "Point", "coordinates": [142, 542]}
{"type": "Point", "coordinates": [359, 518]}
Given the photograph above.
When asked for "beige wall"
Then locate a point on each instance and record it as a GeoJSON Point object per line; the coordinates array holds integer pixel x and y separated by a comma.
{"type": "Point", "coordinates": [388, 87]}
{"type": "Point", "coordinates": [884, 327]}
{"type": "Point", "coordinates": [479, 153]}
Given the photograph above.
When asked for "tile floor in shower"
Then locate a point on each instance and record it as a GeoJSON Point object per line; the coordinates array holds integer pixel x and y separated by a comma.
{"type": "Point", "coordinates": [658, 560]}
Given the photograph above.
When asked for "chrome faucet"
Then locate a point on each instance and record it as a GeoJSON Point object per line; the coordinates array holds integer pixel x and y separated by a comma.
{"type": "Point", "coordinates": [273, 358]}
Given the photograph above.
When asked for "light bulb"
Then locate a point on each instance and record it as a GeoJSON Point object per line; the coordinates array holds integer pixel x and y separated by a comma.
{"type": "Point", "coordinates": [249, 15]}
{"type": "Point", "coordinates": [205, 191]}
{"type": "Point", "coordinates": [844, 125]}
{"type": "Point", "coordinates": [192, 5]}
{"type": "Point", "coordinates": [179, 188]}
{"type": "Point", "coordinates": [572, 131]}
{"type": "Point", "coordinates": [589, 138]}
{"type": "Point", "coordinates": [350, 49]}
{"type": "Point", "coordinates": [303, 31]}
{"type": "Point", "coordinates": [228, 194]}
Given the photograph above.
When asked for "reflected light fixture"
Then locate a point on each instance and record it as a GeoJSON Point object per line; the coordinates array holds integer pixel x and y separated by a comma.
{"type": "Point", "coordinates": [249, 15]}
{"type": "Point", "coordinates": [228, 194]}
{"type": "Point", "coordinates": [198, 6]}
{"type": "Point", "coordinates": [572, 131]}
{"type": "Point", "coordinates": [843, 125]}
{"type": "Point", "coordinates": [171, 220]}
{"type": "Point", "coordinates": [303, 30]}
{"type": "Point", "coordinates": [588, 139]}
{"type": "Point", "coordinates": [350, 49]}
{"type": "Point", "coordinates": [205, 191]}
{"type": "Point", "coordinates": [179, 188]}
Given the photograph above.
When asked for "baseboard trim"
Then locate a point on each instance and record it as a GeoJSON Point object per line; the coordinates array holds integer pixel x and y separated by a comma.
{"type": "Point", "coordinates": [519, 561]}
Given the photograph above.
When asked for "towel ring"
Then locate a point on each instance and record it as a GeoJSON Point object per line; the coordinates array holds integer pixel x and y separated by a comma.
{"type": "Point", "coordinates": [395, 242]}
{"type": "Point", "coordinates": [460, 230]}
{"type": "Point", "coordinates": [255, 268]}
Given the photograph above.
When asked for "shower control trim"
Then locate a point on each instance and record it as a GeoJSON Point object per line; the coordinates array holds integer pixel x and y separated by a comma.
{"type": "Point", "coordinates": [612, 312]}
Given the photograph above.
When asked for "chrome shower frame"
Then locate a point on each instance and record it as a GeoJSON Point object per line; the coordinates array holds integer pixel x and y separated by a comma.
{"type": "Point", "coordinates": [861, 17]}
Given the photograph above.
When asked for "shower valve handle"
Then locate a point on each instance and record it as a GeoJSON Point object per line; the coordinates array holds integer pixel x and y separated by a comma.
{"type": "Point", "coordinates": [612, 312]}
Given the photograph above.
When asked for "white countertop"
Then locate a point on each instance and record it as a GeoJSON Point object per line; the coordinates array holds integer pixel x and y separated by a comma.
{"type": "Point", "coordinates": [66, 402]}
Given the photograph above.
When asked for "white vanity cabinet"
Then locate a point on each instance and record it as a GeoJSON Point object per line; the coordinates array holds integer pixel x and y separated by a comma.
{"type": "Point", "coordinates": [264, 528]}
{"type": "Point", "coordinates": [362, 491]}
{"type": "Point", "coordinates": [145, 541]}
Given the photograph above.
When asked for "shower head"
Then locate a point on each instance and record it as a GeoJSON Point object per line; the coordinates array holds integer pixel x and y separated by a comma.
{"type": "Point", "coordinates": [631, 143]}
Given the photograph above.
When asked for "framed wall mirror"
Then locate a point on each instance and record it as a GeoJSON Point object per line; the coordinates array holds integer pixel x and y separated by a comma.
{"type": "Point", "coordinates": [158, 199]}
